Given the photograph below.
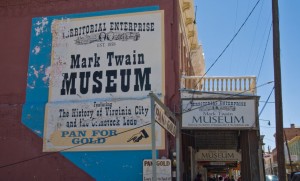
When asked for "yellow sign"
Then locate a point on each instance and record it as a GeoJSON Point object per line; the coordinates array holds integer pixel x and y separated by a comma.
{"type": "Point", "coordinates": [95, 125]}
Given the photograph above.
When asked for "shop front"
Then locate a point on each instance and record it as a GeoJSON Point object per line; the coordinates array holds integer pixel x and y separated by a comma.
{"type": "Point", "coordinates": [220, 138]}
{"type": "Point", "coordinates": [214, 163]}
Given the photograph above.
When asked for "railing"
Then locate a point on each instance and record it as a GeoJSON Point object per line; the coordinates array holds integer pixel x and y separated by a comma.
{"type": "Point", "coordinates": [220, 84]}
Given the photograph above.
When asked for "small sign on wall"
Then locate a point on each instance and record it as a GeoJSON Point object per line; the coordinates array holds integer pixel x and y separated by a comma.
{"type": "Point", "coordinates": [163, 170]}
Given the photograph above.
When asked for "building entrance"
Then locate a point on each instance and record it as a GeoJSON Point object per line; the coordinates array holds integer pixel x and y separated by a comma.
{"type": "Point", "coordinates": [215, 154]}
{"type": "Point", "coordinates": [215, 123]}
{"type": "Point", "coordinates": [212, 170]}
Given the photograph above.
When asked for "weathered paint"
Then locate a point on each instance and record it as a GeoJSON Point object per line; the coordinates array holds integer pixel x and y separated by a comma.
{"type": "Point", "coordinates": [97, 164]}
{"type": "Point", "coordinates": [18, 143]}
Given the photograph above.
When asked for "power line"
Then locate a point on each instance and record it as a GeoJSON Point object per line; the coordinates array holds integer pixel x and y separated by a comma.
{"type": "Point", "coordinates": [232, 50]}
{"type": "Point", "coordinates": [266, 102]}
{"type": "Point", "coordinates": [254, 38]}
{"type": "Point", "coordinates": [234, 36]}
{"type": "Point", "coordinates": [262, 60]}
{"type": "Point", "coordinates": [48, 154]}
{"type": "Point", "coordinates": [231, 96]}
{"type": "Point", "coordinates": [52, 153]}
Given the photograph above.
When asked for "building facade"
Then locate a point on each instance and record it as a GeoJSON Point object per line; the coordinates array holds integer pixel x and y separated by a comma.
{"type": "Point", "coordinates": [291, 152]}
{"type": "Point", "coordinates": [220, 133]}
{"type": "Point", "coordinates": [76, 76]}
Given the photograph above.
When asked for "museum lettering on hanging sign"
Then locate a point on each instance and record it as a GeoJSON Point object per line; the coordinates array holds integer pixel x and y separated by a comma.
{"type": "Point", "coordinates": [102, 69]}
{"type": "Point", "coordinates": [218, 155]}
{"type": "Point", "coordinates": [221, 114]}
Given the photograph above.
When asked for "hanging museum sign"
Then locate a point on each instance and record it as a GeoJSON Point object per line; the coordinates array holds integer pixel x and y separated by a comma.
{"type": "Point", "coordinates": [218, 155]}
{"type": "Point", "coordinates": [227, 114]}
{"type": "Point", "coordinates": [101, 70]}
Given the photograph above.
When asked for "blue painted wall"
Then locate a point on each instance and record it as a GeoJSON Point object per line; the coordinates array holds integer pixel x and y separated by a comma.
{"type": "Point", "coordinates": [104, 165]}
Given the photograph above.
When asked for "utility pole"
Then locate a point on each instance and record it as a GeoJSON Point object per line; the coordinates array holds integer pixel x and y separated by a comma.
{"type": "Point", "coordinates": [278, 94]}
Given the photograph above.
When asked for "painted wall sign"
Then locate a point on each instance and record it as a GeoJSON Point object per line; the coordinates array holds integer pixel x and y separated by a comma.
{"type": "Point", "coordinates": [92, 125]}
{"type": "Point", "coordinates": [218, 155]}
{"type": "Point", "coordinates": [52, 82]}
{"type": "Point", "coordinates": [218, 114]}
{"type": "Point", "coordinates": [163, 167]}
{"type": "Point", "coordinates": [107, 57]}
{"type": "Point", "coordinates": [95, 62]}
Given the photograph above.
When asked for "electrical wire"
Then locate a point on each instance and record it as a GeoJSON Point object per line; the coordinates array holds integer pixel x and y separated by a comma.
{"type": "Point", "coordinates": [262, 60]}
{"type": "Point", "coordinates": [66, 149]}
{"type": "Point", "coordinates": [266, 102]}
{"type": "Point", "coordinates": [48, 154]}
{"type": "Point", "coordinates": [231, 96]}
{"type": "Point", "coordinates": [254, 38]}
{"type": "Point", "coordinates": [226, 47]}
{"type": "Point", "coordinates": [236, 15]}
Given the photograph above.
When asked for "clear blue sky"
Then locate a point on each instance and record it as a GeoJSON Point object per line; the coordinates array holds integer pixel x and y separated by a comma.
{"type": "Point", "coordinates": [218, 21]}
